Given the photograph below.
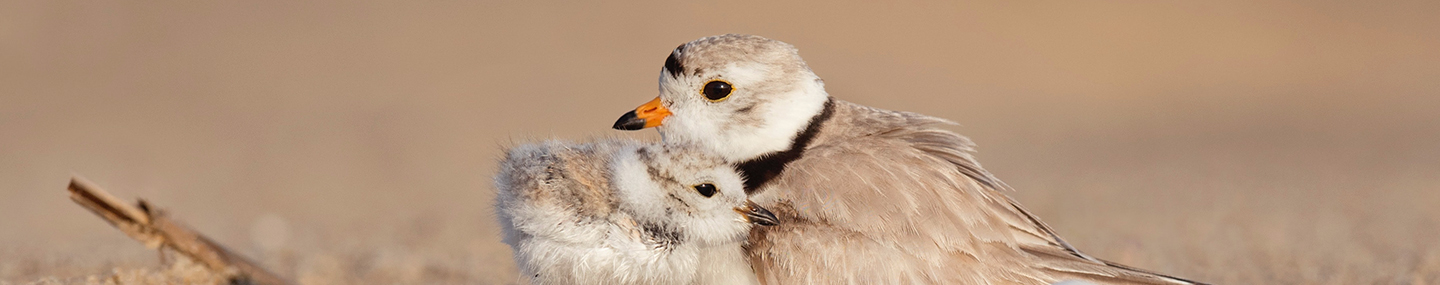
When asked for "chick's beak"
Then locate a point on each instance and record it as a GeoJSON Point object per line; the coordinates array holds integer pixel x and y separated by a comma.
{"type": "Point", "coordinates": [757, 215]}
{"type": "Point", "coordinates": [652, 114]}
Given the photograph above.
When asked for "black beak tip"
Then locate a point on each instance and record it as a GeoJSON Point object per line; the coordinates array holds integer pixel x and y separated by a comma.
{"type": "Point", "coordinates": [763, 217]}
{"type": "Point", "coordinates": [629, 122]}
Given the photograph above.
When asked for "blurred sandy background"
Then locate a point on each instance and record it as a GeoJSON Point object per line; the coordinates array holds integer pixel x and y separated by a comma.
{"type": "Point", "coordinates": [1236, 142]}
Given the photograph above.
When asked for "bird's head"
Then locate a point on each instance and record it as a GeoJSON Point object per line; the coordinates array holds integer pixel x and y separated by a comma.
{"type": "Point", "coordinates": [684, 193]}
{"type": "Point", "coordinates": [740, 96]}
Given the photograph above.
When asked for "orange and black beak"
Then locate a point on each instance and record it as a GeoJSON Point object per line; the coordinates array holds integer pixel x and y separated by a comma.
{"type": "Point", "coordinates": [652, 114]}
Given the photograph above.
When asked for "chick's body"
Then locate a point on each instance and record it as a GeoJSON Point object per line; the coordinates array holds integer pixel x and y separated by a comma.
{"type": "Point", "coordinates": [622, 212]}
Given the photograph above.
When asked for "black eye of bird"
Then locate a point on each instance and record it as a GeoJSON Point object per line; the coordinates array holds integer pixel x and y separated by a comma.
{"type": "Point", "coordinates": [706, 189]}
{"type": "Point", "coordinates": [717, 90]}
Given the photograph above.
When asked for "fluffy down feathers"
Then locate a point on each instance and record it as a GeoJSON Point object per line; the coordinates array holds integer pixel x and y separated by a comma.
{"type": "Point", "coordinates": [621, 212]}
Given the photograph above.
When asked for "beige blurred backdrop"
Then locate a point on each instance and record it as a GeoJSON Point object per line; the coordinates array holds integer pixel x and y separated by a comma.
{"type": "Point", "coordinates": [1235, 142]}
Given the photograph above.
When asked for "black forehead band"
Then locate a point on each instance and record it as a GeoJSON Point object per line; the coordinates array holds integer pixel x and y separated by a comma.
{"type": "Point", "coordinates": [672, 63]}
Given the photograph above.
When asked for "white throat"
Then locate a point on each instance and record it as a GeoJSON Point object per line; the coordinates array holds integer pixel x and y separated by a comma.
{"type": "Point", "coordinates": [784, 119]}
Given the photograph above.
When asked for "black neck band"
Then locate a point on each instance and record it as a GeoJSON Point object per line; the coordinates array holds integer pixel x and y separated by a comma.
{"type": "Point", "coordinates": [761, 170]}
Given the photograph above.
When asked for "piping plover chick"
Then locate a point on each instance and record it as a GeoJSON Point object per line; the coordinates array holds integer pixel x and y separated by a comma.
{"type": "Point", "coordinates": [623, 212]}
{"type": "Point", "coordinates": [864, 195]}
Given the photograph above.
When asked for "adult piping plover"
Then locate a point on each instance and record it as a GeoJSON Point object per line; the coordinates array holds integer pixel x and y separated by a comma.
{"type": "Point", "coordinates": [864, 195]}
{"type": "Point", "coordinates": [621, 212]}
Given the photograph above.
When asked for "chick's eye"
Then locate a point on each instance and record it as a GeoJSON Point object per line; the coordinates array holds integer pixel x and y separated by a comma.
{"type": "Point", "coordinates": [717, 90]}
{"type": "Point", "coordinates": [706, 189]}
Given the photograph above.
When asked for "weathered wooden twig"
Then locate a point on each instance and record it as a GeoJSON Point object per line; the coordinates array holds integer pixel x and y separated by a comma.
{"type": "Point", "coordinates": [155, 229]}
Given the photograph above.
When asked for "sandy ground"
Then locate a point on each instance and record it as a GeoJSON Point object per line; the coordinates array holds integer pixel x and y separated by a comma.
{"type": "Point", "coordinates": [1236, 142]}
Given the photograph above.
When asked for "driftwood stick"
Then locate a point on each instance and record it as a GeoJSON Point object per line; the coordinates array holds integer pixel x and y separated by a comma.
{"type": "Point", "coordinates": [155, 229]}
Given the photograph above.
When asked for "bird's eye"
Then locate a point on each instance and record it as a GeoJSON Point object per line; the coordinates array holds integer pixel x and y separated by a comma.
{"type": "Point", "coordinates": [717, 90]}
{"type": "Point", "coordinates": [706, 189]}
